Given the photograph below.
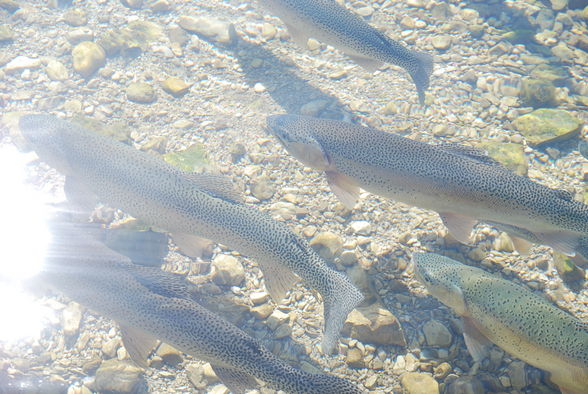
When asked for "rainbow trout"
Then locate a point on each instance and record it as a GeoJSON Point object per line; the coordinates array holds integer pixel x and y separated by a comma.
{"type": "Point", "coordinates": [150, 304]}
{"type": "Point", "coordinates": [333, 24]}
{"type": "Point", "coordinates": [461, 183]}
{"type": "Point", "coordinates": [511, 316]}
{"type": "Point", "coordinates": [205, 205]}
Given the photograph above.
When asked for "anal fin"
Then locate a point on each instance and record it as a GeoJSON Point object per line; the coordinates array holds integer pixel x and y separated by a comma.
{"type": "Point", "coordinates": [192, 245]}
{"type": "Point", "coordinates": [138, 344]}
{"type": "Point", "coordinates": [561, 241]}
{"type": "Point", "coordinates": [344, 187]}
{"type": "Point", "coordinates": [236, 381]}
{"type": "Point", "coordinates": [298, 36]}
{"type": "Point", "coordinates": [459, 226]}
{"type": "Point", "coordinates": [476, 342]}
{"type": "Point", "coordinates": [278, 279]}
{"type": "Point", "coordinates": [371, 65]}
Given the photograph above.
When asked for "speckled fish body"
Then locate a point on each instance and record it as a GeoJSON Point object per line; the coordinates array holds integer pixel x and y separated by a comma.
{"type": "Point", "coordinates": [149, 189]}
{"type": "Point", "coordinates": [511, 316]}
{"type": "Point", "coordinates": [333, 24]}
{"type": "Point", "coordinates": [460, 183]}
{"type": "Point", "coordinates": [151, 304]}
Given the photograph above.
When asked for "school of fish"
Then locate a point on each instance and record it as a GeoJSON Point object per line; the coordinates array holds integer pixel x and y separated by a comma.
{"type": "Point", "coordinates": [461, 183]}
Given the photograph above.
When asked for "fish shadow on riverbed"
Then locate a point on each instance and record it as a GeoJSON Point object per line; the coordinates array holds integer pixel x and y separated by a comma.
{"type": "Point", "coordinates": [288, 90]}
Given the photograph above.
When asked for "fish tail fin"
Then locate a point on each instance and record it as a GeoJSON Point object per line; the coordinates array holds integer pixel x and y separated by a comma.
{"type": "Point", "coordinates": [338, 302]}
{"type": "Point", "coordinates": [421, 73]}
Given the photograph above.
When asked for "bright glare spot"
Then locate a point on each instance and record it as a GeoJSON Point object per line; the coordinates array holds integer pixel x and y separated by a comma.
{"type": "Point", "coordinates": [24, 237]}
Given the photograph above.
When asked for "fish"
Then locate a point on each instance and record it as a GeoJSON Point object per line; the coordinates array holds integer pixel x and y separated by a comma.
{"type": "Point", "coordinates": [461, 183]}
{"type": "Point", "coordinates": [524, 324]}
{"type": "Point", "coordinates": [150, 305]}
{"type": "Point", "coordinates": [333, 24]}
{"type": "Point", "coordinates": [189, 206]}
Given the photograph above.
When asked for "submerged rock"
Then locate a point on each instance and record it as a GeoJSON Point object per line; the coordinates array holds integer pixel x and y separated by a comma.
{"type": "Point", "coordinates": [227, 271]}
{"type": "Point", "coordinates": [141, 92]}
{"type": "Point", "coordinates": [9, 5]}
{"type": "Point", "coordinates": [545, 125]}
{"type": "Point", "coordinates": [327, 244]}
{"type": "Point", "coordinates": [509, 154]}
{"type": "Point", "coordinates": [175, 86]}
{"type": "Point", "coordinates": [116, 130]}
{"type": "Point", "coordinates": [88, 57]}
{"type": "Point", "coordinates": [538, 93]}
{"type": "Point", "coordinates": [374, 324]}
{"type": "Point", "coordinates": [56, 71]}
{"type": "Point", "coordinates": [130, 40]}
{"type": "Point", "coordinates": [567, 269]}
{"type": "Point", "coordinates": [436, 334]}
{"type": "Point", "coordinates": [213, 29]}
{"type": "Point", "coordinates": [192, 159]}
{"type": "Point", "coordinates": [419, 383]}
{"type": "Point", "coordinates": [547, 72]}
{"type": "Point", "coordinates": [6, 33]}
{"type": "Point", "coordinates": [118, 376]}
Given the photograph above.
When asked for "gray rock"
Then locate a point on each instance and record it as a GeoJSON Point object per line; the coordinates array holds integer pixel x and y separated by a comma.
{"type": "Point", "coordinates": [227, 270]}
{"type": "Point", "coordinates": [517, 374]}
{"type": "Point", "coordinates": [419, 383]}
{"type": "Point", "coordinates": [465, 385]}
{"type": "Point", "coordinates": [262, 188]}
{"type": "Point", "coordinates": [141, 92]}
{"type": "Point", "coordinates": [437, 334]}
{"type": "Point", "coordinates": [374, 324]}
{"type": "Point", "coordinates": [118, 376]}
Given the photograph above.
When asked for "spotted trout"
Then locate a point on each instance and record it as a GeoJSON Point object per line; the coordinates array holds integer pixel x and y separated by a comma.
{"type": "Point", "coordinates": [511, 316]}
{"type": "Point", "coordinates": [459, 182]}
{"type": "Point", "coordinates": [333, 24]}
{"type": "Point", "coordinates": [150, 304]}
{"type": "Point", "coordinates": [187, 204]}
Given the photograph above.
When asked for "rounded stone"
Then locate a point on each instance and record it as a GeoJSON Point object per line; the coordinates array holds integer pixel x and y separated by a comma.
{"type": "Point", "coordinates": [327, 244]}
{"type": "Point", "coordinates": [227, 271]}
{"type": "Point", "coordinates": [141, 92]}
{"type": "Point", "coordinates": [437, 334]}
{"type": "Point", "coordinates": [88, 57]}
{"type": "Point", "coordinates": [419, 383]}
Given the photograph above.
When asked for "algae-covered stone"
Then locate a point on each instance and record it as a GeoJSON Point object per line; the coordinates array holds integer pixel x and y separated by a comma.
{"type": "Point", "coordinates": [175, 86]}
{"type": "Point", "coordinates": [116, 130]}
{"type": "Point", "coordinates": [538, 93]}
{"type": "Point", "coordinates": [130, 40]}
{"type": "Point", "coordinates": [6, 33]}
{"type": "Point", "coordinates": [141, 92]}
{"type": "Point", "coordinates": [374, 324]}
{"type": "Point", "coordinates": [56, 71]}
{"type": "Point", "coordinates": [118, 376]}
{"type": "Point", "coordinates": [548, 72]}
{"type": "Point", "coordinates": [566, 268]}
{"type": "Point", "coordinates": [87, 58]}
{"type": "Point", "coordinates": [545, 125]}
{"type": "Point", "coordinates": [193, 159]}
{"type": "Point", "coordinates": [511, 155]}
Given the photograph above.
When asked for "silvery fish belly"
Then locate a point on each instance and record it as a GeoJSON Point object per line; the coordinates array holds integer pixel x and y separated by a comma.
{"type": "Point", "coordinates": [150, 304]}
{"type": "Point", "coordinates": [333, 24]}
{"type": "Point", "coordinates": [495, 310]}
{"type": "Point", "coordinates": [189, 205]}
{"type": "Point", "coordinates": [461, 183]}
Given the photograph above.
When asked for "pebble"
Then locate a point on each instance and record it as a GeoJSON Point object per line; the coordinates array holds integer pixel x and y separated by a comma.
{"type": "Point", "coordinates": [227, 270]}
{"type": "Point", "coordinates": [327, 244]}
{"type": "Point", "coordinates": [175, 86]}
{"type": "Point", "coordinates": [354, 358]}
{"type": "Point", "coordinates": [71, 317]}
{"type": "Point", "coordinates": [437, 334]}
{"type": "Point", "coordinates": [465, 385]}
{"type": "Point", "coordinates": [6, 33]}
{"type": "Point", "coordinates": [259, 88]}
{"type": "Point", "coordinates": [517, 375]}
{"type": "Point", "coordinates": [75, 18]}
{"type": "Point", "coordinates": [141, 92]}
{"type": "Point", "coordinates": [88, 57]}
{"type": "Point", "coordinates": [262, 188]}
{"type": "Point", "coordinates": [110, 347]}
{"type": "Point", "coordinates": [22, 62]}
{"type": "Point", "coordinates": [56, 71]}
{"type": "Point", "coordinates": [419, 383]}
{"type": "Point", "coordinates": [214, 29]}
{"type": "Point", "coordinates": [442, 42]}
{"type": "Point", "coordinates": [546, 125]}
{"type": "Point", "coordinates": [259, 297]}
{"type": "Point", "coordinates": [361, 227]}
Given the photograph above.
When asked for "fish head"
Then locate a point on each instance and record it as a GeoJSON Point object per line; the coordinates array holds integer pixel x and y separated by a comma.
{"type": "Point", "coordinates": [296, 136]}
{"type": "Point", "coordinates": [439, 275]}
{"type": "Point", "coordinates": [42, 133]}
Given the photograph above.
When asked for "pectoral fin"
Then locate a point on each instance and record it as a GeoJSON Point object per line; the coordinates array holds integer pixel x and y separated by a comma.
{"type": "Point", "coordinates": [344, 187]}
{"type": "Point", "coordinates": [478, 345]}
{"type": "Point", "coordinates": [563, 242]}
{"type": "Point", "coordinates": [138, 344]}
{"type": "Point", "coordinates": [370, 65]}
{"type": "Point", "coordinates": [236, 381]}
{"type": "Point", "coordinates": [192, 245]}
{"type": "Point", "coordinates": [459, 226]}
{"type": "Point", "coordinates": [521, 245]}
{"type": "Point", "coordinates": [298, 36]}
{"type": "Point", "coordinates": [79, 194]}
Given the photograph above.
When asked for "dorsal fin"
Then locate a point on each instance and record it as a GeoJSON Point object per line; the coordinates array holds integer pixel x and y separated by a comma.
{"type": "Point", "coordinates": [469, 152]}
{"type": "Point", "coordinates": [218, 185]}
